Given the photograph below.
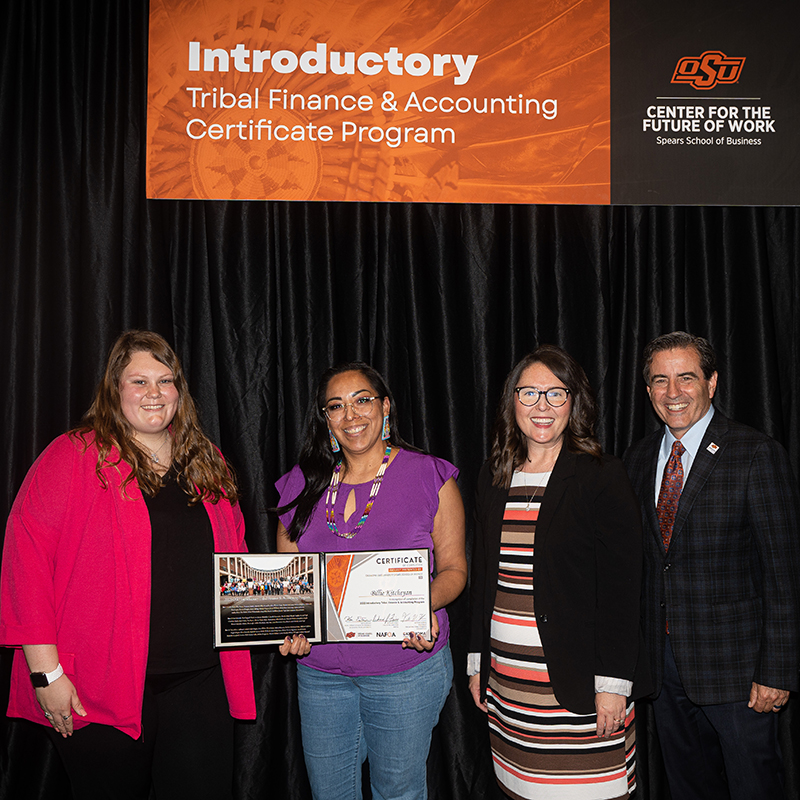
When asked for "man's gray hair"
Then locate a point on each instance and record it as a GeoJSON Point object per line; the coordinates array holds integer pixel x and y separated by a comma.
{"type": "Point", "coordinates": [678, 340]}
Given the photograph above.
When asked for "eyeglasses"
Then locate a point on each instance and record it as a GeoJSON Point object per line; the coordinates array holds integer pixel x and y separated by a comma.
{"type": "Point", "coordinates": [555, 396]}
{"type": "Point", "coordinates": [361, 406]}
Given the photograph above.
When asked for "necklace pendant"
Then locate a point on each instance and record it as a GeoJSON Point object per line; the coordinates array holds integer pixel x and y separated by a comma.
{"type": "Point", "coordinates": [333, 490]}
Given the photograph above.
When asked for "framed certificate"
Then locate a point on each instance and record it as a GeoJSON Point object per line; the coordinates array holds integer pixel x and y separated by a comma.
{"type": "Point", "coordinates": [379, 596]}
{"type": "Point", "coordinates": [373, 596]}
{"type": "Point", "coordinates": [261, 598]}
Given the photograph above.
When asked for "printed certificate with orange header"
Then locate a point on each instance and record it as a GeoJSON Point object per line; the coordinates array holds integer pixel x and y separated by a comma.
{"type": "Point", "coordinates": [374, 596]}
{"type": "Point", "coordinates": [380, 596]}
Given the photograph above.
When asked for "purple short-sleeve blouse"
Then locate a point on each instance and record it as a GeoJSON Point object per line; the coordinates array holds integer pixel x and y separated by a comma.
{"type": "Point", "coordinates": [401, 517]}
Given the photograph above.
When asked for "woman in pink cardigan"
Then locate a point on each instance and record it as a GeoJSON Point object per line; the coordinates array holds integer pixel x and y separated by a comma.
{"type": "Point", "coordinates": [106, 590]}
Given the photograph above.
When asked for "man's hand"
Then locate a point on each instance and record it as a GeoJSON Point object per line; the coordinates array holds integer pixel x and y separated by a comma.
{"type": "Point", "coordinates": [765, 698]}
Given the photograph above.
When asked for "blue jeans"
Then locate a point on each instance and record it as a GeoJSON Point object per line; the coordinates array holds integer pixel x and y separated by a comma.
{"type": "Point", "coordinates": [385, 718]}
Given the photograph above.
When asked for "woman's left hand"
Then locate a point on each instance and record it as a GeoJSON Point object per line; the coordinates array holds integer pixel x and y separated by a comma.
{"type": "Point", "coordinates": [421, 644]}
{"type": "Point", "coordinates": [610, 713]}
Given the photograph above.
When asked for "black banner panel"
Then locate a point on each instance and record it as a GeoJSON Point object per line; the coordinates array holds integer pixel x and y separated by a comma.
{"type": "Point", "coordinates": [704, 103]}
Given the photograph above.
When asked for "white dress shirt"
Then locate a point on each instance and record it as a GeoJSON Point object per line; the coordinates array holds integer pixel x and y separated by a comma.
{"type": "Point", "coordinates": [691, 442]}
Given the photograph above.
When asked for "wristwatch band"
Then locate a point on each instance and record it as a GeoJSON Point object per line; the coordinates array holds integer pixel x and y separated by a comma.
{"type": "Point", "coordinates": [42, 679]}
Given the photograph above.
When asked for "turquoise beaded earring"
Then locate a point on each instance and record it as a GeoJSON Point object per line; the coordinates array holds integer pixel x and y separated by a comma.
{"type": "Point", "coordinates": [387, 431]}
{"type": "Point", "coordinates": [335, 447]}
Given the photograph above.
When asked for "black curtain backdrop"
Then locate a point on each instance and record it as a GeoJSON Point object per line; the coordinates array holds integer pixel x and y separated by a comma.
{"type": "Point", "coordinates": [259, 298]}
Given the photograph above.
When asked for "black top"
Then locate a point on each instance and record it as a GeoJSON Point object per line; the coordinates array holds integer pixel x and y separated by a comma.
{"type": "Point", "coordinates": [181, 597]}
{"type": "Point", "coordinates": [587, 567]}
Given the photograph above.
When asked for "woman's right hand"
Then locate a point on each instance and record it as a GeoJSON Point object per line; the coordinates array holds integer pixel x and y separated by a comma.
{"type": "Point", "coordinates": [475, 691]}
{"type": "Point", "coordinates": [296, 645]}
{"type": "Point", "coordinates": [59, 701]}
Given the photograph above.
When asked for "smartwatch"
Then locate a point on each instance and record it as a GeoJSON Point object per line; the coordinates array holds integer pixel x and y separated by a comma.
{"type": "Point", "coordinates": [42, 679]}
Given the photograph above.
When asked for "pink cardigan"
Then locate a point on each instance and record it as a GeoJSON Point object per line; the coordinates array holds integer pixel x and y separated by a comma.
{"type": "Point", "coordinates": [76, 572]}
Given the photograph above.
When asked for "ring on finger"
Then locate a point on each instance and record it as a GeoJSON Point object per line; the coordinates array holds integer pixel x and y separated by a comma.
{"type": "Point", "coordinates": [48, 715]}
{"type": "Point", "coordinates": [65, 717]}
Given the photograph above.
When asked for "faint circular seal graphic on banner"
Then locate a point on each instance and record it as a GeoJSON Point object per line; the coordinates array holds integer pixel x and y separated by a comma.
{"type": "Point", "coordinates": [246, 167]}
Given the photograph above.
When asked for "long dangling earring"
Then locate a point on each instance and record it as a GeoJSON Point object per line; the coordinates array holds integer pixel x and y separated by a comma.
{"type": "Point", "coordinates": [387, 431]}
{"type": "Point", "coordinates": [334, 442]}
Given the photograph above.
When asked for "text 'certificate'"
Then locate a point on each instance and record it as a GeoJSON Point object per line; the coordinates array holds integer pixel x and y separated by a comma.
{"type": "Point", "coordinates": [378, 596]}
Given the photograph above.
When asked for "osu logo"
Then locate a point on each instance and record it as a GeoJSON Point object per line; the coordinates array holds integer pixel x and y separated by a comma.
{"type": "Point", "coordinates": [709, 69]}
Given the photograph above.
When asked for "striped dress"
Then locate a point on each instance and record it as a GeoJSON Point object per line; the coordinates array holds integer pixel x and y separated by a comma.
{"type": "Point", "coordinates": [540, 750]}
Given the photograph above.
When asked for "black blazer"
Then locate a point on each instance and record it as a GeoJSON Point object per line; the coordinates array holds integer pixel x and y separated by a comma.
{"type": "Point", "coordinates": [729, 584]}
{"type": "Point", "coordinates": [586, 576]}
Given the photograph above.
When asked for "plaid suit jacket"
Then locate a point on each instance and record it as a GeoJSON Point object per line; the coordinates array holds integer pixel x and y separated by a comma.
{"type": "Point", "coordinates": [729, 583]}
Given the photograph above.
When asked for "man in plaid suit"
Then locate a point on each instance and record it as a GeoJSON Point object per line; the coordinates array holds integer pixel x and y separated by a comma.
{"type": "Point", "coordinates": [720, 595]}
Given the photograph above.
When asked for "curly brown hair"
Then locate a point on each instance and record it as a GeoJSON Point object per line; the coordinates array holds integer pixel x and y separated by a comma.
{"type": "Point", "coordinates": [509, 448]}
{"type": "Point", "coordinates": [202, 472]}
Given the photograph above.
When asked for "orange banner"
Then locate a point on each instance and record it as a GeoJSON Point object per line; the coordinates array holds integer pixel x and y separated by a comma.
{"type": "Point", "coordinates": [498, 101]}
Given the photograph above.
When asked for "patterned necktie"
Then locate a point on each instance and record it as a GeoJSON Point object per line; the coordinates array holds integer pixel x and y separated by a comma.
{"type": "Point", "coordinates": [670, 492]}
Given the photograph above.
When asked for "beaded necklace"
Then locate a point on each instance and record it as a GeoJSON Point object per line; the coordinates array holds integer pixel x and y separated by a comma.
{"type": "Point", "coordinates": [333, 490]}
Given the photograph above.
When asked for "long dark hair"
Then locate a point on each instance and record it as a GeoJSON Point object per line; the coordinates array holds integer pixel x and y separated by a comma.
{"type": "Point", "coordinates": [317, 460]}
{"type": "Point", "coordinates": [509, 447]}
{"type": "Point", "coordinates": [202, 473]}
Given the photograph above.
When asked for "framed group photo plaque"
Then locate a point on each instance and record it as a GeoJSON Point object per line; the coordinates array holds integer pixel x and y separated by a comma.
{"type": "Point", "coordinates": [372, 596]}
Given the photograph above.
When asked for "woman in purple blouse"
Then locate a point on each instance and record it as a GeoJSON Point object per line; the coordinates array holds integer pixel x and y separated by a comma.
{"type": "Point", "coordinates": [359, 486]}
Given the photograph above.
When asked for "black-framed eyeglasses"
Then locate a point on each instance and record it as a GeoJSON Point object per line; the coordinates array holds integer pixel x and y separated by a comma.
{"type": "Point", "coordinates": [556, 396]}
{"type": "Point", "coordinates": [336, 410]}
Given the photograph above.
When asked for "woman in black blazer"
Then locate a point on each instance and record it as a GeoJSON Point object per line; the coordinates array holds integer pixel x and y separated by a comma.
{"type": "Point", "coordinates": [555, 627]}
